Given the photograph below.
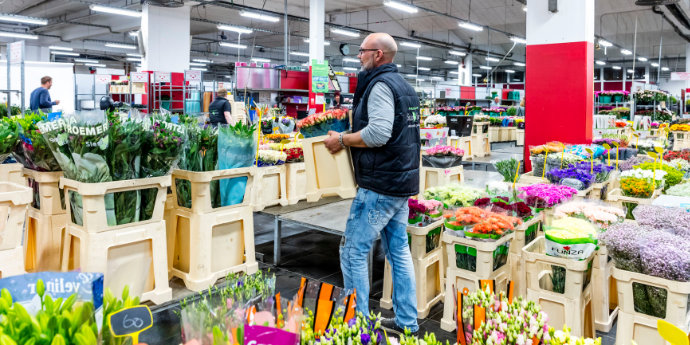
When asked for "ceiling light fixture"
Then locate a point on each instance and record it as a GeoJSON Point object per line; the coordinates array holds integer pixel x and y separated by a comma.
{"type": "Point", "coordinates": [326, 43]}
{"type": "Point", "coordinates": [641, 58]}
{"type": "Point", "coordinates": [492, 59]}
{"type": "Point", "coordinates": [616, 67]}
{"type": "Point", "coordinates": [470, 26]}
{"type": "Point", "coordinates": [134, 59]}
{"type": "Point", "coordinates": [485, 67]}
{"type": "Point", "coordinates": [455, 52]}
{"type": "Point", "coordinates": [454, 72]}
{"type": "Point", "coordinates": [510, 71]}
{"type": "Point", "coordinates": [115, 10]}
{"type": "Point", "coordinates": [64, 53]}
{"type": "Point", "coordinates": [605, 43]}
{"type": "Point", "coordinates": [424, 68]}
{"type": "Point", "coordinates": [299, 54]}
{"type": "Point", "coordinates": [197, 64]}
{"type": "Point", "coordinates": [519, 64]}
{"type": "Point", "coordinates": [237, 29]}
{"type": "Point", "coordinates": [600, 63]}
{"type": "Point", "coordinates": [654, 64]}
{"type": "Point", "coordinates": [18, 35]}
{"type": "Point", "coordinates": [86, 60]}
{"type": "Point", "coordinates": [347, 59]}
{"type": "Point", "coordinates": [424, 58]}
{"type": "Point", "coordinates": [631, 71]}
{"type": "Point", "coordinates": [626, 52]}
{"type": "Point", "coordinates": [400, 6]}
{"type": "Point", "coordinates": [94, 64]}
{"type": "Point", "coordinates": [134, 54]}
{"type": "Point", "coordinates": [61, 48]}
{"type": "Point", "coordinates": [120, 45]}
{"type": "Point", "coordinates": [411, 75]}
{"type": "Point", "coordinates": [350, 69]}
{"type": "Point", "coordinates": [665, 69]}
{"type": "Point", "coordinates": [345, 32]}
{"type": "Point", "coordinates": [451, 62]}
{"type": "Point", "coordinates": [23, 19]}
{"type": "Point", "coordinates": [232, 45]}
{"type": "Point", "coordinates": [260, 16]}
{"type": "Point", "coordinates": [256, 59]}
{"type": "Point", "coordinates": [202, 60]}
{"type": "Point", "coordinates": [518, 40]}
{"type": "Point", "coordinates": [199, 69]}
{"type": "Point", "coordinates": [476, 75]}
{"type": "Point", "coordinates": [411, 45]}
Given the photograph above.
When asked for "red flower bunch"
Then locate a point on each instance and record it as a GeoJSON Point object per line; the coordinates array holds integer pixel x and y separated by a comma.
{"type": "Point", "coordinates": [295, 154]}
{"type": "Point", "coordinates": [621, 124]}
{"type": "Point", "coordinates": [671, 155]}
{"type": "Point", "coordinates": [337, 114]}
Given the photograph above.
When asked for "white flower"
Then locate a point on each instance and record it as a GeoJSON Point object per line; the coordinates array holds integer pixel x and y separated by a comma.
{"type": "Point", "coordinates": [520, 340]}
{"type": "Point", "coordinates": [559, 335]}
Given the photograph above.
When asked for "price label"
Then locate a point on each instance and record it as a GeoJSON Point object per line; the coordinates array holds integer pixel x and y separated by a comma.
{"type": "Point", "coordinates": [162, 77]}
{"type": "Point", "coordinates": [16, 51]}
{"type": "Point", "coordinates": [139, 77]}
{"type": "Point", "coordinates": [193, 75]}
{"type": "Point", "coordinates": [130, 322]}
{"type": "Point", "coordinates": [103, 78]}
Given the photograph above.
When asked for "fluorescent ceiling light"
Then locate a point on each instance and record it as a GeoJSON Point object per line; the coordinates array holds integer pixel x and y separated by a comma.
{"type": "Point", "coordinates": [492, 59]}
{"type": "Point", "coordinates": [299, 54]}
{"type": "Point", "coordinates": [411, 75]}
{"type": "Point", "coordinates": [23, 19]}
{"type": "Point", "coordinates": [519, 64]}
{"type": "Point", "coordinates": [326, 43]}
{"type": "Point", "coordinates": [260, 16]}
{"type": "Point", "coordinates": [86, 60]}
{"type": "Point", "coordinates": [350, 68]}
{"type": "Point", "coordinates": [455, 52]}
{"type": "Point", "coordinates": [347, 59]}
{"type": "Point", "coordinates": [400, 6]}
{"type": "Point", "coordinates": [256, 59]}
{"type": "Point", "coordinates": [476, 75]}
{"type": "Point", "coordinates": [61, 48]}
{"type": "Point", "coordinates": [202, 60]}
{"type": "Point", "coordinates": [485, 67]}
{"type": "Point", "coordinates": [454, 72]}
{"type": "Point", "coordinates": [236, 29]}
{"type": "Point", "coordinates": [94, 64]}
{"type": "Point", "coordinates": [18, 35]}
{"type": "Point", "coordinates": [605, 43]}
{"type": "Point", "coordinates": [518, 40]}
{"type": "Point", "coordinates": [510, 71]}
{"type": "Point", "coordinates": [626, 52]}
{"type": "Point", "coordinates": [64, 53]}
{"type": "Point", "coordinates": [630, 71]}
{"type": "Point", "coordinates": [398, 65]}
{"type": "Point", "coordinates": [451, 62]}
{"type": "Point", "coordinates": [424, 68]}
{"type": "Point", "coordinates": [424, 58]}
{"type": "Point", "coordinates": [411, 45]}
{"type": "Point", "coordinates": [133, 34]}
{"type": "Point", "coordinates": [654, 64]}
{"type": "Point", "coordinates": [436, 78]}
{"type": "Point", "coordinates": [600, 63]}
{"type": "Point", "coordinates": [134, 54]}
{"type": "Point", "coordinates": [120, 45]}
{"type": "Point", "coordinates": [115, 10]}
{"type": "Point", "coordinates": [232, 45]}
{"type": "Point", "coordinates": [641, 58]}
{"type": "Point", "coordinates": [135, 59]}
{"type": "Point", "coordinates": [665, 69]}
{"type": "Point", "coordinates": [617, 68]}
{"type": "Point", "coordinates": [305, 64]}
{"type": "Point", "coordinates": [199, 69]}
{"type": "Point", "coordinates": [524, 8]}
{"type": "Point", "coordinates": [228, 76]}
{"type": "Point", "coordinates": [345, 32]}
{"type": "Point", "coordinates": [420, 79]}
{"type": "Point", "coordinates": [198, 64]}
{"type": "Point", "coordinates": [470, 26]}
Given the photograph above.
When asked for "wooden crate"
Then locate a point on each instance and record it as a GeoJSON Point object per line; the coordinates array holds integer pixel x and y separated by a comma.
{"type": "Point", "coordinates": [48, 190]}
{"type": "Point", "coordinates": [481, 146]}
{"type": "Point", "coordinates": [538, 266]}
{"type": "Point", "coordinates": [133, 256]}
{"type": "Point", "coordinates": [575, 313]}
{"type": "Point", "coordinates": [681, 140]}
{"type": "Point", "coordinates": [464, 143]}
{"type": "Point", "coordinates": [170, 226]}
{"type": "Point", "coordinates": [270, 187]}
{"type": "Point", "coordinates": [200, 182]}
{"type": "Point", "coordinates": [43, 241]}
{"type": "Point", "coordinates": [529, 229]}
{"type": "Point", "coordinates": [600, 190]}
{"type": "Point", "coordinates": [494, 134]}
{"type": "Point", "coordinates": [604, 294]}
{"type": "Point", "coordinates": [639, 326]}
{"type": "Point", "coordinates": [418, 238]}
{"type": "Point", "coordinates": [296, 180]}
{"type": "Point", "coordinates": [11, 262]}
{"type": "Point", "coordinates": [12, 172]}
{"type": "Point", "coordinates": [14, 202]}
{"type": "Point", "coordinates": [206, 247]}
{"type": "Point", "coordinates": [93, 201]}
{"type": "Point", "coordinates": [432, 177]}
{"type": "Point", "coordinates": [327, 174]}
{"type": "Point", "coordinates": [529, 178]}
{"type": "Point", "coordinates": [428, 276]}
{"type": "Point", "coordinates": [616, 198]}
{"type": "Point", "coordinates": [520, 137]}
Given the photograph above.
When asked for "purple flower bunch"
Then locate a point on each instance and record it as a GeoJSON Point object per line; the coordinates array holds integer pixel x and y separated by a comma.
{"type": "Point", "coordinates": [632, 162]}
{"type": "Point", "coordinates": [674, 220]}
{"type": "Point", "coordinates": [416, 208]}
{"type": "Point", "coordinates": [544, 195]}
{"type": "Point", "coordinates": [576, 172]}
{"type": "Point", "coordinates": [609, 141]}
{"type": "Point", "coordinates": [287, 121]}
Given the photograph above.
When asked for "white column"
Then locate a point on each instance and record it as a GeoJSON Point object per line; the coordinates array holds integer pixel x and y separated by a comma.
{"type": "Point", "coordinates": [166, 38]}
{"type": "Point", "coordinates": [465, 73]}
{"type": "Point", "coordinates": [316, 26]}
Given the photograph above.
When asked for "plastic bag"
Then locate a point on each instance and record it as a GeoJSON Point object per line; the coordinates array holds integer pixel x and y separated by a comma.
{"type": "Point", "coordinates": [32, 150]}
{"type": "Point", "coordinates": [571, 238]}
{"type": "Point", "coordinates": [236, 149]}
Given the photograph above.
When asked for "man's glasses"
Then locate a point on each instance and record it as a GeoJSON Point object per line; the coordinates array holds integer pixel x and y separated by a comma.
{"type": "Point", "coordinates": [362, 50]}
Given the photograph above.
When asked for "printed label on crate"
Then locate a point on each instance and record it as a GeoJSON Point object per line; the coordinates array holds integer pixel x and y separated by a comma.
{"type": "Point", "coordinates": [576, 251]}
{"type": "Point", "coordinates": [24, 288]}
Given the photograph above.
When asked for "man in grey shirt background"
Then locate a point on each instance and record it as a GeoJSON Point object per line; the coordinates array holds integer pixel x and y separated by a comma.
{"type": "Point", "coordinates": [385, 147]}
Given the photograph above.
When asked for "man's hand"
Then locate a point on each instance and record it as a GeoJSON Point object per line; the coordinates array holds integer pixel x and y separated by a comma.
{"type": "Point", "coordinates": [333, 142]}
{"type": "Point", "coordinates": [57, 102]}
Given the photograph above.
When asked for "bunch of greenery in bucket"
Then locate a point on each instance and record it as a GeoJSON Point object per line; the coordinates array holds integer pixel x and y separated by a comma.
{"type": "Point", "coordinates": [657, 246]}
{"type": "Point", "coordinates": [12, 111]}
{"type": "Point", "coordinates": [33, 150]}
{"type": "Point", "coordinates": [8, 138]}
{"type": "Point", "coordinates": [199, 153]}
{"type": "Point", "coordinates": [508, 168]}
{"type": "Point", "coordinates": [453, 195]}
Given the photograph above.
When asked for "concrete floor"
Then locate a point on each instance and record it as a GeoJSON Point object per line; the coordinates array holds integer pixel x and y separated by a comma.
{"type": "Point", "coordinates": [314, 254]}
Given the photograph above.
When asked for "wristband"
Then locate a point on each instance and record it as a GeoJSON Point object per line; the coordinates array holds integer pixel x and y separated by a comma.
{"type": "Point", "coordinates": [340, 140]}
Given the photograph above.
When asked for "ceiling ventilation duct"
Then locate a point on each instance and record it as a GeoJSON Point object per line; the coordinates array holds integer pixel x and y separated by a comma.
{"type": "Point", "coordinates": [654, 2]}
{"type": "Point", "coordinates": [164, 3]}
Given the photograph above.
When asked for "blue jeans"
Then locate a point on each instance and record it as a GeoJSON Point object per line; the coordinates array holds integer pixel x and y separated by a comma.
{"type": "Point", "coordinates": [371, 215]}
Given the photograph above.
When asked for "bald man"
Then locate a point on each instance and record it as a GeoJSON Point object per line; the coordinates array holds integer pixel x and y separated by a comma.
{"type": "Point", "coordinates": [385, 147]}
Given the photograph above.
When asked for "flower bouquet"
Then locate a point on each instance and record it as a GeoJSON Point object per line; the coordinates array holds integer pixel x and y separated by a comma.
{"type": "Point", "coordinates": [267, 125]}
{"type": "Point", "coordinates": [493, 226]}
{"type": "Point", "coordinates": [682, 189]}
{"type": "Point", "coordinates": [599, 214]}
{"type": "Point", "coordinates": [508, 169]}
{"type": "Point", "coordinates": [558, 337]}
{"type": "Point", "coordinates": [8, 138]}
{"type": "Point", "coordinates": [200, 153]}
{"type": "Point", "coordinates": [442, 157]}
{"type": "Point", "coordinates": [424, 212]}
{"type": "Point", "coordinates": [671, 155]}
{"type": "Point", "coordinates": [639, 183]}
{"type": "Point", "coordinates": [286, 124]}
{"type": "Point", "coordinates": [236, 149]}
{"type": "Point", "coordinates": [276, 137]}
{"type": "Point", "coordinates": [543, 195]}
{"type": "Point", "coordinates": [453, 195]}
{"type": "Point", "coordinates": [270, 158]}
{"type": "Point", "coordinates": [319, 124]}
{"type": "Point", "coordinates": [680, 128]}
{"type": "Point", "coordinates": [293, 150]}
{"type": "Point", "coordinates": [489, 319]}
{"type": "Point", "coordinates": [463, 217]}
{"type": "Point", "coordinates": [633, 162]}
{"type": "Point", "coordinates": [575, 176]}
{"type": "Point", "coordinates": [576, 233]}
{"type": "Point", "coordinates": [501, 204]}
{"type": "Point", "coordinates": [671, 175]}
{"type": "Point", "coordinates": [33, 151]}
{"type": "Point", "coordinates": [365, 330]}
{"type": "Point", "coordinates": [435, 121]}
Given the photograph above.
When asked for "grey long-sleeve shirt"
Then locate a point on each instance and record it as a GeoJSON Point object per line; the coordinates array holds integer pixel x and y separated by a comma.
{"type": "Point", "coordinates": [381, 110]}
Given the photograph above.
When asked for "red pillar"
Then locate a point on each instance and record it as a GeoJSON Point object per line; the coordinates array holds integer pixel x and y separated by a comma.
{"type": "Point", "coordinates": [559, 73]}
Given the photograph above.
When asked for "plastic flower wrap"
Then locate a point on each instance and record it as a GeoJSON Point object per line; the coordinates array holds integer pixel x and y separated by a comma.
{"type": "Point", "coordinates": [682, 189]}
{"type": "Point", "coordinates": [599, 214]}
{"type": "Point", "coordinates": [543, 195]}
{"type": "Point", "coordinates": [271, 157]}
{"type": "Point", "coordinates": [442, 157]}
{"type": "Point", "coordinates": [286, 124]}
{"type": "Point", "coordinates": [236, 149]}
{"type": "Point", "coordinates": [33, 151]}
{"type": "Point", "coordinates": [558, 337]}
{"type": "Point", "coordinates": [319, 124]}
{"type": "Point", "coordinates": [200, 153]}
{"type": "Point", "coordinates": [571, 238]}
{"type": "Point", "coordinates": [453, 195]}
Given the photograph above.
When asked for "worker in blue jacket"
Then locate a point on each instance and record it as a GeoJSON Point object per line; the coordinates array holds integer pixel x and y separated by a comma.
{"type": "Point", "coordinates": [40, 98]}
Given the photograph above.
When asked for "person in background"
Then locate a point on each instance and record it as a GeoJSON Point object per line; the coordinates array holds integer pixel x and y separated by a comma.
{"type": "Point", "coordinates": [220, 109]}
{"type": "Point", "coordinates": [336, 101]}
{"type": "Point", "coordinates": [385, 153]}
{"type": "Point", "coordinates": [521, 108]}
{"type": "Point", "coordinates": [496, 102]}
{"type": "Point", "coordinates": [40, 97]}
